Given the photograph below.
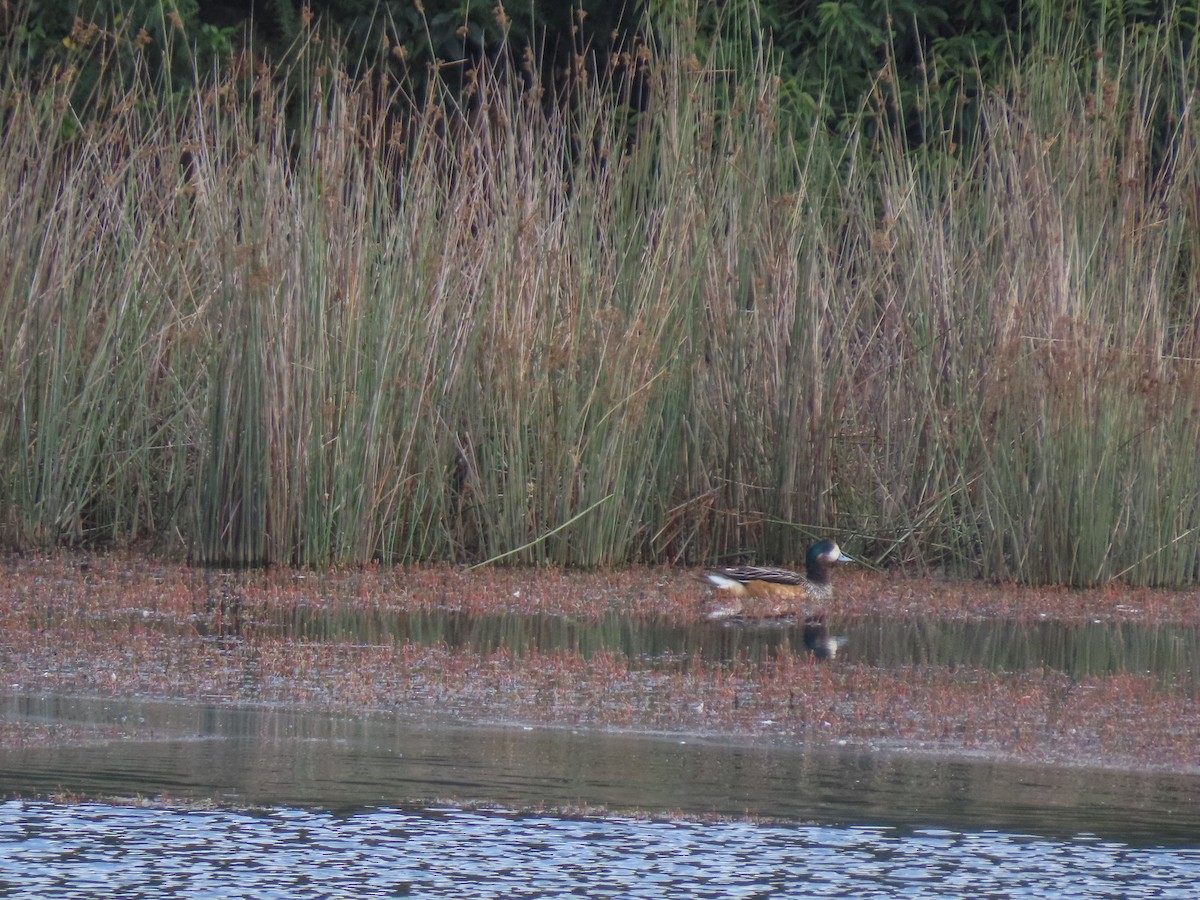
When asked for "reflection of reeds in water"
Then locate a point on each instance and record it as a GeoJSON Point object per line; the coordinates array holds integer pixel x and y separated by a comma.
{"type": "Point", "coordinates": [1078, 650]}
{"type": "Point", "coordinates": [322, 333]}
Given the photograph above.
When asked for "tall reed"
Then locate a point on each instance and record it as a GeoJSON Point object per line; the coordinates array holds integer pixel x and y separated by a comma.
{"type": "Point", "coordinates": [278, 321]}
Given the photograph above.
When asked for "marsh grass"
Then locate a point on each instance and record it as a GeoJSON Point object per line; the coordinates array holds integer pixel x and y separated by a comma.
{"type": "Point", "coordinates": [277, 320]}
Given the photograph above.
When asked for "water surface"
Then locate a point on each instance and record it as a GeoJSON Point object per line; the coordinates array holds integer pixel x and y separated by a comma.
{"type": "Point", "coordinates": [318, 805]}
{"type": "Point", "coordinates": [1079, 650]}
{"type": "Point", "coordinates": [92, 850]}
{"type": "Point", "coordinates": [313, 804]}
{"type": "Point", "coordinates": [270, 756]}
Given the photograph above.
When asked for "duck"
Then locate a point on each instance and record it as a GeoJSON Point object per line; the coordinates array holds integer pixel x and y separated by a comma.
{"type": "Point", "coordinates": [766, 583]}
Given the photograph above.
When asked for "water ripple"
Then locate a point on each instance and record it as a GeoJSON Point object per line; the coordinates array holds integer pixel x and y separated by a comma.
{"type": "Point", "coordinates": [54, 850]}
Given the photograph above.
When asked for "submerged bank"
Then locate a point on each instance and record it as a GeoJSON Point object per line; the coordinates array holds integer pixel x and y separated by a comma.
{"type": "Point", "coordinates": [588, 649]}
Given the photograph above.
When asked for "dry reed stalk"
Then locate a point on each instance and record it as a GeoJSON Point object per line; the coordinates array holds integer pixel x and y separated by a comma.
{"type": "Point", "coordinates": [288, 321]}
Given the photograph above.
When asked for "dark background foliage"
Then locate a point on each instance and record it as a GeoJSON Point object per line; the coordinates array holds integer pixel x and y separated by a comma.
{"type": "Point", "coordinates": [831, 55]}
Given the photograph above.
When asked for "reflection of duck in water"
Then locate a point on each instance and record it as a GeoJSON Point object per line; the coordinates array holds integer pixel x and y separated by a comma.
{"type": "Point", "coordinates": [819, 641]}
{"type": "Point", "coordinates": [737, 583]}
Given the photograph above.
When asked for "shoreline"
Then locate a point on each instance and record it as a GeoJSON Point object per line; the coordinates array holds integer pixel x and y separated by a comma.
{"type": "Point", "coordinates": [126, 628]}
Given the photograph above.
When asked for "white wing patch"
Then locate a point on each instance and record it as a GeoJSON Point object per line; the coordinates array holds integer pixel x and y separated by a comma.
{"type": "Point", "coordinates": [724, 582]}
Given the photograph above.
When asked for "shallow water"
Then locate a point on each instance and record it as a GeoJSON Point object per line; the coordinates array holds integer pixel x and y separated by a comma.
{"type": "Point", "coordinates": [1078, 650]}
{"type": "Point", "coordinates": [380, 805]}
{"type": "Point", "coordinates": [314, 804]}
{"type": "Point", "coordinates": [263, 755]}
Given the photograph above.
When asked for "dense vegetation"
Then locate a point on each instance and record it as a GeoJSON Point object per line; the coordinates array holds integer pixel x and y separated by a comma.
{"type": "Point", "coordinates": [829, 54]}
{"type": "Point", "coordinates": [290, 314]}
